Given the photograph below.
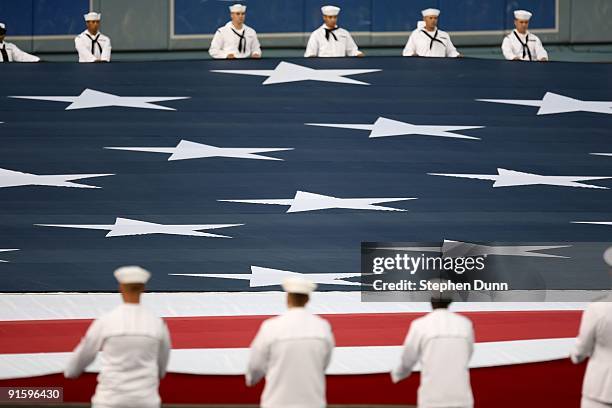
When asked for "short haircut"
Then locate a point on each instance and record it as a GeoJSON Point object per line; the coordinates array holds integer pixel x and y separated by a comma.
{"type": "Point", "coordinates": [298, 299]}
{"type": "Point", "coordinates": [440, 303]}
{"type": "Point", "coordinates": [133, 287]}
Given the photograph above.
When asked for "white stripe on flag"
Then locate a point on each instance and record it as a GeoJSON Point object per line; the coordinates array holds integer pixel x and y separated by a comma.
{"type": "Point", "coordinates": [345, 360]}
{"type": "Point", "coordinates": [50, 306]}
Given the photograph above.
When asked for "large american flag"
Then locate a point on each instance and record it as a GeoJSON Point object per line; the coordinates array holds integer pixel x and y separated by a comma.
{"type": "Point", "coordinates": [277, 155]}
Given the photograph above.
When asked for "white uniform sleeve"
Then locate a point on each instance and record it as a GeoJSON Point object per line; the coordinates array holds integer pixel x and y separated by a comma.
{"type": "Point", "coordinates": [471, 340]}
{"type": "Point", "coordinates": [451, 51]}
{"type": "Point", "coordinates": [216, 46]}
{"type": "Point", "coordinates": [22, 56]}
{"type": "Point", "coordinates": [84, 51]}
{"type": "Point", "coordinates": [410, 48]}
{"type": "Point", "coordinates": [259, 354]}
{"type": "Point", "coordinates": [540, 51]}
{"type": "Point", "coordinates": [164, 351]}
{"type": "Point", "coordinates": [256, 46]}
{"type": "Point", "coordinates": [331, 343]}
{"type": "Point", "coordinates": [85, 353]}
{"type": "Point", "coordinates": [585, 342]}
{"type": "Point", "coordinates": [409, 357]}
{"type": "Point", "coordinates": [106, 52]}
{"type": "Point", "coordinates": [507, 49]}
{"type": "Point", "coordinates": [312, 48]}
{"type": "Point", "coordinates": [351, 47]}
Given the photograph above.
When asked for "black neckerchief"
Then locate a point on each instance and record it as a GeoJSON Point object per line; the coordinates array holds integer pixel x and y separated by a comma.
{"type": "Point", "coordinates": [94, 42]}
{"type": "Point", "coordinates": [434, 38]}
{"type": "Point", "coordinates": [242, 42]}
{"type": "Point", "coordinates": [329, 31]}
{"type": "Point", "coordinates": [5, 57]}
{"type": "Point", "coordinates": [525, 46]}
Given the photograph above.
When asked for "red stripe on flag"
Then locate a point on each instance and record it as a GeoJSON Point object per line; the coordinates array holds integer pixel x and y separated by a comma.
{"type": "Point", "coordinates": [549, 384]}
{"type": "Point", "coordinates": [375, 329]}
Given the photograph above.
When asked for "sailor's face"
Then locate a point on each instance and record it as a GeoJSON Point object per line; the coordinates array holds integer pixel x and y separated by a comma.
{"type": "Point", "coordinates": [431, 22]}
{"type": "Point", "coordinates": [330, 21]}
{"type": "Point", "coordinates": [93, 26]}
{"type": "Point", "coordinates": [2, 37]}
{"type": "Point", "coordinates": [521, 25]}
{"type": "Point", "coordinates": [238, 18]}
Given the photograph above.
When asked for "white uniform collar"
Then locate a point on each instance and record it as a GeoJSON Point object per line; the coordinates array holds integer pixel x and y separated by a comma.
{"type": "Point", "coordinates": [296, 309]}
{"type": "Point", "coordinates": [86, 32]}
{"type": "Point", "coordinates": [522, 35]}
{"type": "Point", "coordinates": [324, 26]}
{"type": "Point", "coordinates": [230, 25]}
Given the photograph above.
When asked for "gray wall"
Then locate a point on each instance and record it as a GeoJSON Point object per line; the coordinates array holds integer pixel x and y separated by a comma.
{"type": "Point", "coordinates": [145, 25]}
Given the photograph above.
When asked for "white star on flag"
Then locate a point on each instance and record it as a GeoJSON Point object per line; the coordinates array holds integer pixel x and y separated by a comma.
{"type": "Point", "coordinates": [510, 178]}
{"type": "Point", "coordinates": [192, 150]}
{"type": "Point", "coordinates": [593, 222]}
{"type": "Point", "coordinates": [384, 127]}
{"type": "Point", "coordinates": [555, 103]}
{"type": "Point", "coordinates": [602, 154]}
{"type": "Point", "coordinates": [7, 250]}
{"type": "Point", "coordinates": [305, 201]}
{"type": "Point", "coordinates": [125, 226]}
{"type": "Point", "coordinates": [91, 98]}
{"type": "Point", "coordinates": [269, 277]}
{"type": "Point", "coordinates": [288, 72]}
{"type": "Point", "coordinates": [470, 249]}
{"type": "Point", "coordinates": [10, 178]}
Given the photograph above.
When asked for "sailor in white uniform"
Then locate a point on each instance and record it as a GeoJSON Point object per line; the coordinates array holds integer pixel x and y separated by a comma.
{"type": "Point", "coordinates": [428, 40]}
{"type": "Point", "coordinates": [595, 342]}
{"type": "Point", "coordinates": [329, 40]}
{"type": "Point", "coordinates": [9, 52]}
{"type": "Point", "coordinates": [91, 44]}
{"type": "Point", "coordinates": [442, 342]}
{"type": "Point", "coordinates": [235, 39]}
{"type": "Point", "coordinates": [522, 45]}
{"type": "Point", "coordinates": [292, 351]}
{"type": "Point", "coordinates": [134, 346]}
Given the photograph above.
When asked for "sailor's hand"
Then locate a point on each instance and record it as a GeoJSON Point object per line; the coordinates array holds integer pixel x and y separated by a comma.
{"type": "Point", "coordinates": [255, 55]}
{"type": "Point", "coordinates": [543, 59]}
{"type": "Point", "coordinates": [231, 56]}
{"type": "Point", "coordinates": [360, 55]}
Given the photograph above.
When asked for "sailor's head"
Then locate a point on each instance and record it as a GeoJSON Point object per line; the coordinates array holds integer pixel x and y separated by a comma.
{"type": "Point", "coordinates": [430, 17]}
{"type": "Point", "coordinates": [92, 20]}
{"type": "Point", "coordinates": [2, 31]}
{"type": "Point", "coordinates": [237, 14]}
{"type": "Point", "coordinates": [298, 291]}
{"type": "Point", "coordinates": [521, 20]}
{"type": "Point", "coordinates": [132, 280]}
{"type": "Point", "coordinates": [330, 15]}
{"type": "Point", "coordinates": [441, 299]}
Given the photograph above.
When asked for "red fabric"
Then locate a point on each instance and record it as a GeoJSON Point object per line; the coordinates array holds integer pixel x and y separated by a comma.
{"type": "Point", "coordinates": [542, 385]}
{"type": "Point", "coordinates": [238, 331]}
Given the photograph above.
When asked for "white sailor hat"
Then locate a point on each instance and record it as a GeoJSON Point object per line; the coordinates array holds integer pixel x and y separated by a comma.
{"type": "Point", "coordinates": [92, 16]}
{"type": "Point", "coordinates": [330, 10]}
{"type": "Point", "coordinates": [430, 12]}
{"type": "Point", "coordinates": [608, 256]}
{"type": "Point", "coordinates": [237, 8]}
{"type": "Point", "coordinates": [295, 284]}
{"type": "Point", "coordinates": [522, 15]}
{"type": "Point", "coordinates": [132, 274]}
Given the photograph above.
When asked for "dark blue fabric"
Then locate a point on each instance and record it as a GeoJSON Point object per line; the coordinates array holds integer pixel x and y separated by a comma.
{"type": "Point", "coordinates": [237, 111]}
{"type": "Point", "coordinates": [278, 16]}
